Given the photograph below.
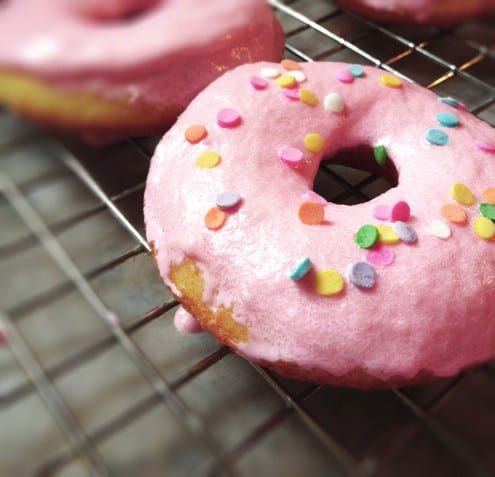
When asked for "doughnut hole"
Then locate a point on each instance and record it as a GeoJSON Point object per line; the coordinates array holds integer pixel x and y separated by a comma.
{"type": "Point", "coordinates": [352, 176]}
{"type": "Point", "coordinates": [111, 10]}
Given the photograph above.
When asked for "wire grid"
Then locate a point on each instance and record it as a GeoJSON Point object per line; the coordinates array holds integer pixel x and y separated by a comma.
{"type": "Point", "coordinates": [97, 382]}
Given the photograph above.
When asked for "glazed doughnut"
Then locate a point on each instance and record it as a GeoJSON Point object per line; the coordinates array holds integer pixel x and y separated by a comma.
{"type": "Point", "coordinates": [427, 12]}
{"type": "Point", "coordinates": [124, 67]}
{"type": "Point", "coordinates": [396, 290]}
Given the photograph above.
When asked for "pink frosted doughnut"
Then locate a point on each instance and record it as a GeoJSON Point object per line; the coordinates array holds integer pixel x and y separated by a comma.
{"type": "Point", "coordinates": [429, 12]}
{"type": "Point", "coordinates": [124, 67]}
{"type": "Point", "coordinates": [395, 290]}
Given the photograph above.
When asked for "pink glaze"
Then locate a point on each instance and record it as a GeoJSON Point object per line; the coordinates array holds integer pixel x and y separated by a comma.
{"type": "Point", "coordinates": [185, 322]}
{"type": "Point", "coordinates": [430, 310]}
{"type": "Point", "coordinates": [164, 54]}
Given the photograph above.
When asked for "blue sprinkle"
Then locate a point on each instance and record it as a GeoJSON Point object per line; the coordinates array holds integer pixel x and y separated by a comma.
{"type": "Point", "coordinates": [356, 70]}
{"type": "Point", "coordinates": [406, 233]}
{"type": "Point", "coordinates": [437, 137]}
{"type": "Point", "coordinates": [450, 101]}
{"type": "Point", "coordinates": [448, 120]}
{"type": "Point", "coordinates": [226, 200]}
{"type": "Point", "coordinates": [362, 275]}
{"type": "Point", "coordinates": [301, 269]}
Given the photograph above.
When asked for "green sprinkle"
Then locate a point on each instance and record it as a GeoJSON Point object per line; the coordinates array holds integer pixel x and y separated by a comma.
{"type": "Point", "coordinates": [381, 156]}
{"type": "Point", "coordinates": [367, 236]}
{"type": "Point", "coordinates": [487, 210]}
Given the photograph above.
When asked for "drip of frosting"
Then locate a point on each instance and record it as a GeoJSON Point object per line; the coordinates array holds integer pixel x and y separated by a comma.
{"type": "Point", "coordinates": [185, 322]}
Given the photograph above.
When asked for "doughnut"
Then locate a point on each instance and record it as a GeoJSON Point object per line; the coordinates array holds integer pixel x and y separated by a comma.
{"type": "Point", "coordinates": [427, 12]}
{"type": "Point", "coordinates": [392, 291]}
{"type": "Point", "coordinates": [124, 67]}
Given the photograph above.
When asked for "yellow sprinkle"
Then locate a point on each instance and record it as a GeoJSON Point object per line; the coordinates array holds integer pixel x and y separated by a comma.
{"type": "Point", "coordinates": [462, 194]}
{"type": "Point", "coordinates": [314, 142]}
{"type": "Point", "coordinates": [390, 81]}
{"type": "Point", "coordinates": [308, 97]}
{"type": "Point", "coordinates": [286, 81]}
{"type": "Point", "coordinates": [329, 282]}
{"type": "Point", "coordinates": [208, 160]}
{"type": "Point", "coordinates": [484, 228]}
{"type": "Point", "coordinates": [387, 235]}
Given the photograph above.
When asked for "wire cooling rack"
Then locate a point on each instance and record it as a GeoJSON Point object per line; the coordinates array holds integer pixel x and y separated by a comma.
{"type": "Point", "coordinates": [95, 381]}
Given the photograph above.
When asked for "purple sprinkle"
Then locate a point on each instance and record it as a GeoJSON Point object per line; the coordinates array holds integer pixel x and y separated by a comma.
{"type": "Point", "coordinates": [405, 232]}
{"type": "Point", "coordinates": [227, 200]}
{"type": "Point", "coordinates": [380, 255]}
{"type": "Point", "coordinates": [362, 275]}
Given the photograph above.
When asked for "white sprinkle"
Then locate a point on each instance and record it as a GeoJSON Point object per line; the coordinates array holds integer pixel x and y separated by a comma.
{"type": "Point", "coordinates": [299, 76]}
{"type": "Point", "coordinates": [440, 229]}
{"type": "Point", "coordinates": [269, 73]}
{"type": "Point", "coordinates": [333, 102]}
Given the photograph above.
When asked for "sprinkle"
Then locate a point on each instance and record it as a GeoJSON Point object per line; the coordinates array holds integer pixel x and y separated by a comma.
{"type": "Point", "coordinates": [258, 83]}
{"type": "Point", "coordinates": [195, 133]}
{"type": "Point", "coordinates": [484, 228]}
{"type": "Point", "coordinates": [390, 81]}
{"type": "Point", "coordinates": [215, 218]}
{"type": "Point", "coordinates": [290, 65]}
{"type": "Point", "coordinates": [228, 118]}
{"type": "Point", "coordinates": [387, 235]}
{"type": "Point", "coordinates": [208, 160]}
{"type": "Point", "coordinates": [450, 101]}
{"type": "Point", "coordinates": [489, 195]}
{"type": "Point", "coordinates": [291, 93]}
{"type": "Point", "coordinates": [400, 211]}
{"type": "Point", "coordinates": [362, 275]}
{"type": "Point", "coordinates": [314, 197]}
{"type": "Point", "coordinates": [439, 229]}
{"type": "Point", "coordinates": [344, 76]}
{"type": "Point", "coordinates": [461, 193]}
{"type": "Point", "coordinates": [227, 200]}
{"type": "Point", "coordinates": [487, 210]}
{"type": "Point", "coordinates": [301, 269]}
{"type": "Point", "coordinates": [299, 76]}
{"type": "Point", "coordinates": [405, 232]}
{"type": "Point", "coordinates": [380, 153]}
{"type": "Point", "coordinates": [269, 73]}
{"type": "Point", "coordinates": [328, 282]}
{"type": "Point", "coordinates": [447, 120]}
{"type": "Point", "coordinates": [485, 146]}
{"type": "Point", "coordinates": [333, 102]}
{"type": "Point", "coordinates": [314, 142]}
{"type": "Point", "coordinates": [356, 70]}
{"type": "Point", "coordinates": [311, 213]}
{"type": "Point", "coordinates": [381, 212]}
{"type": "Point", "coordinates": [308, 97]}
{"type": "Point", "coordinates": [453, 213]}
{"type": "Point", "coordinates": [367, 236]}
{"type": "Point", "coordinates": [286, 81]}
{"type": "Point", "coordinates": [380, 255]}
{"type": "Point", "coordinates": [290, 155]}
{"type": "Point", "coordinates": [437, 137]}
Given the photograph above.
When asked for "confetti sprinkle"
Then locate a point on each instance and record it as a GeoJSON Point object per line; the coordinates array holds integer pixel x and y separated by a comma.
{"type": "Point", "coordinates": [485, 146]}
{"type": "Point", "coordinates": [329, 282]}
{"type": "Point", "coordinates": [437, 137]}
{"type": "Point", "coordinates": [344, 76]}
{"type": "Point", "coordinates": [380, 255]}
{"type": "Point", "coordinates": [454, 213]}
{"type": "Point", "coordinates": [215, 218]}
{"type": "Point", "coordinates": [462, 194]}
{"type": "Point", "coordinates": [390, 81]}
{"type": "Point", "coordinates": [292, 93]}
{"type": "Point", "coordinates": [208, 160]}
{"type": "Point", "coordinates": [258, 83]}
{"type": "Point", "coordinates": [380, 153]}
{"type": "Point", "coordinates": [362, 275]}
{"type": "Point", "coordinates": [450, 101]}
{"type": "Point", "coordinates": [269, 73]}
{"type": "Point", "coordinates": [387, 235]}
{"type": "Point", "coordinates": [286, 81]}
{"type": "Point", "coordinates": [487, 210]}
{"type": "Point", "coordinates": [290, 65]}
{"type": "Point", "coordinates": [314, 142]}
{"type": "Point", "coordinates": [439, 229]}
{"type": "Point", "coordinates": [227, 200]}
{"type": "Point", "coordinates": [356, 70]}
{"type": "Point", "coordinates": [400, 211]}
{"type": "Point", "coordinates": [228, 118]}
{"type": "Point", "coordinates": [314, 197]}
{"type": "Point", "coordinates": [381, 212]}
{"type": "Point", "coordinates": [484, 228]}
{"type": "Point", "coordinates": [405, 232]}
{"type": "Point", "coordinates": [489, 195]}
{"type": "Point", "coordinates": [299, 76]}
{"type": "Point", "coordinates": [195, 133]}
{"type": "Point", "coordinates": [311, 213]}
{"type": "Point", "coordinates": [290, 155]}
{"type": "Point", "coordinates": [301, 269]}
{"type": "Point", "coordinates": [447, 120]}
{"type": "Point", "coordinates": [333, 102]}
{"type": "Point", "coordinates": [308, 97]}
{"type": "Point", "coordinates": [367, 236]}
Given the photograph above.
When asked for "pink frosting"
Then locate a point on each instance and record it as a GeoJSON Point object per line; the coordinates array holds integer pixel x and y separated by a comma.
{"type": "Point", "coordinates": [185, 322]}
{"type": "Point", "coordinates": [430, 310]}
{"type": "Point", "coordinates": [164, 53]}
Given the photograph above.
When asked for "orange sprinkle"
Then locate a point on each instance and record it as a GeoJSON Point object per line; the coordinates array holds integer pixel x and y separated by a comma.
{"type": "Point", "coordinates": [195, 133]}
{"type": "Point", "coordinates": [290, 65]}
{"type": "Point", "coordinates": [489, 195]}
{"type": "Point", "coordinates": [311, 213]}
{"type": "Point", "coordinates": [215, 218]}
{"type": "Point", "coordinates": [453, 213]}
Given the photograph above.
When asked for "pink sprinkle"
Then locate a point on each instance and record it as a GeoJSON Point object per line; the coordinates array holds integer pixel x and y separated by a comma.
{"type": "Point", "coordinates": [312, 196]}
{"type": "Point", "coordinates": [290, 155]}
{"type": "Point", "coordinates": [344, 76]}
{"type": "Point", "coordinates": [381, 212]}
{"type": "Point", "coordinates": [258, 83]}
{"type": "Point", "coordinates": [380, 255]}
{"type": "Point", "coordinates": [292, 93]}
{"type": "Point", "coordinates": [228, 118]}
{"type": "Point", "coordinates": [400, 211]}
{"type": "Point", "coordinates": [185, 322]}
{"type": "Point", "coordinates": [485, 146]}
